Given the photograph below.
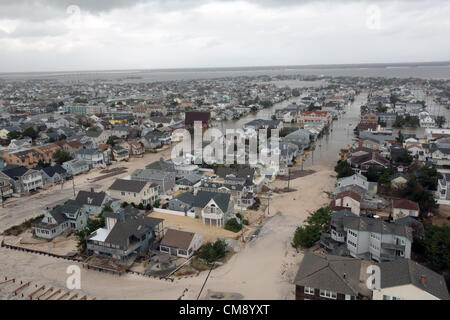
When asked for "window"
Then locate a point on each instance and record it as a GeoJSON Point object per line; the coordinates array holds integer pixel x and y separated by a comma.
{"type": "Point", "coordinates": [309, 290]}
{"type": "Point", "coordinates": [328, 294]}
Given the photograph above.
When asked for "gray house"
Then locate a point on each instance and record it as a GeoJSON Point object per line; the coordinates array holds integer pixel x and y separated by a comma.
{"type": "Point", "coordinates": [93, 202]}
{"type": "Point", "coordinates": [22, 179]}
{"type": "Point", "coordinates": [54, 174]}
{"type": "Point", "coordinates": [377, 239]}
{"type": "Point", "coordinates": [69, 216]}
{"type": "Point", "coordinates": [125, 235]}
{"type": "Point", "coordinates": [164, 179]}
{"type": "Point", "coordinates": [94, 157]}
{"type": "Point", "coordinates": [75, 167]}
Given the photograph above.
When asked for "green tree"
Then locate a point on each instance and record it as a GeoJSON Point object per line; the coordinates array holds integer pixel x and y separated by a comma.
{"type": "Point", "coordinates": [343, 169]}
{"type": "Point", "coordinates": [61, 156]}
{"type": "Point", "coordinates": [437, 248]}
{"type": "Point", "coordinates": [111, 141]}
{"type": "Point", "coordinates": [306, 236]}
{"type": "Point", "coordinates": [440, 121]}
{"type": "Point", "coordinates": [157, 204]}
{"type": "Point", "coordinates": [92, 225]}
{"type": "Point", "coordinates": [30, 132]}
{"type": "Point", "coordinates": [317, 223]}
{"type": "Point", "coordinates": [212, 252]}
{"type": "Point", "coordinates": [14, 135]}
{"type": "Point", "coordinates": [233, 225]}
{"type": "Point", "coordinates": [400, 138]}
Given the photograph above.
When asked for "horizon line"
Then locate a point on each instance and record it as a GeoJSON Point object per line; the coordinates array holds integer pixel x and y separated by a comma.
{"type": "Point", "coordinates": [312, 66]}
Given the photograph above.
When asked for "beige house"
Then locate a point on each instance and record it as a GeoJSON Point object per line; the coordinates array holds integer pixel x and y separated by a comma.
{"type": "Point", "coordinates": [403, 208]}
{"type": "Point", "coordinates": [399, 181]}
{"type": "Point", "coordinates": [133, 191]}
{"type": "Point", "coordinates": [214, 208]}
{"type": "Point", "coordinates": [347, 199]}
{"type": "Point", "coordinates": [404, 279]}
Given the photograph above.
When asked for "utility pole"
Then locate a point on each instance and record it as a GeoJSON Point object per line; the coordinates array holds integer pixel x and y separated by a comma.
{"type": "Point", "coordinates": [289, 178]}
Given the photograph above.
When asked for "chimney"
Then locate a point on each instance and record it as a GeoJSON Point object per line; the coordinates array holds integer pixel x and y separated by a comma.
{"type": "Point", "coordinates": [423, 280]}
{"type": "Point", "coordinates": [360, 143]}
{"type": "Point", "coordinates": [92, 189]}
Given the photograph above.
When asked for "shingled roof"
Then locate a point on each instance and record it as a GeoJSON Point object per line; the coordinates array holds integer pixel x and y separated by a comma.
{"type": "Point", "coordinates": [177, 239]}
{"type": "Point", "coordinates": [128, 185]}
{"type": "Point", "coordinates": [405, 271]}
{"type": "Point", "coordinates": [334, 273]}
{"type": "Point", "coordinates": [90, 198]}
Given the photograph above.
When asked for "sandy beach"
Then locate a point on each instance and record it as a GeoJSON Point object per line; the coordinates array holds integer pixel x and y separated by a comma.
{"type": "Point", "coordinates": [264, 269]}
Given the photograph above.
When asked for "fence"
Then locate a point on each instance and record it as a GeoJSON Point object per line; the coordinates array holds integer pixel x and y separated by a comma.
{"type": "Point", "coordinates": [12, 247]}
{"type": "Point", "coordinates": [175, 213]}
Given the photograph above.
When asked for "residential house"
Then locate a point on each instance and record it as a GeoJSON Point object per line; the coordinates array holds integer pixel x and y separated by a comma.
{"type": "Point", "coordinates": [404, 279]}
{"type": "Point", "coordinates": [19, 144]}
{"type": "Point", "coordinates": [134, 191]}
{"type": "Point", "coordinates": [5, 131]}
{"type": "Point", "coordinates": [53, 174]}
{"type": "Point", "coordinates": [180, 243]}
{"type": "Point", "coordinates": [443, 192]}
{"type": "Point", "coordinates": [329, 277]}
{"type": "Point", "coordinates": [402, 208]}
{"type": "Point", "coordinates": [356, 179]}
{"type": "Point", "coordinates": [377, 239]}
{"type": "Point", "coordinates": [214, 208]}
{"type": "Point", "coordinates": [399, 181]}
{"type": "Point", "coordinates": [28, 158]}
{"type": "Point", "coordinates": [314, 117]}
{"type": "Point", "coordinates": [94, 157]}
{"type": "Point", "coordinates": [120, 153]}
{"type": "Point", "coordinates": [125, 235]}
{"type": "Point", "coordinates": [92, 202]}
{"type": "Point", "coordinates": [68, 216]}
{"type": "Point", "coordinates": [347, 199]}
{"type": "Point", "coordinates": [22, 179]}
{"type": "Point", "coordinates": [337, 236]}
{"type": "Point", "coordinates": [75, 167]}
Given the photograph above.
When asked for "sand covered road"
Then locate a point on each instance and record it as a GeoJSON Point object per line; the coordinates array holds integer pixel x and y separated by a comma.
{"type": "Point", "coordinates": [264, 269]}
{"type": "Point", "coordinates": [17, 210]}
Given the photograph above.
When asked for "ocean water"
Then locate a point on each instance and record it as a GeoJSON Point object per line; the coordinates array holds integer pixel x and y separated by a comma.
{"type": "Point", "coordinates": [437, 70]}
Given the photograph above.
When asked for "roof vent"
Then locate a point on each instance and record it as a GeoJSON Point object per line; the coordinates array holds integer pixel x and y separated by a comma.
{"type": "Point", "coordinates": [423, 280]}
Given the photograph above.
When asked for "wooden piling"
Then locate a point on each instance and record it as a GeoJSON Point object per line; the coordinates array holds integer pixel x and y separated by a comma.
{"type": "Point", "coordinates": [48, 290]}
{"type": "Point", "coordinates": [21, 287]}
{"type": "Point", "coordinates": [63, 296]}
{"type": "Point", "coordinates": [36, 291]}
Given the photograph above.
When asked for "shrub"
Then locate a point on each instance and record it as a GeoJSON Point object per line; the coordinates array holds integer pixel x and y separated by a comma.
{"type": "Point", "coordinates": [213, 251]}
{"type": "Point", "coordinates": [148, 207]}
{"type": "Point", "coordinates": [245, 222]}
{"type": "Point", "coordinates": [306, 236]}
{"type": "Point", "coordinates": [233, 225]}
{"type": "Point", "coordinates": [124, 204]}
{"type": "Point", "coordinates": [239, 215]}
{"type": "Point", "coordinates": [141, 206]}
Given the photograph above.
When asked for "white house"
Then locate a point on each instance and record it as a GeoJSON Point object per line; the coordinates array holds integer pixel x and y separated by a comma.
{"type": "Point", "coordinates": [377, 239]}
{"type": "Point", "coordinates": [356, 179]}
{"type": "Point", "coordinates": [404, 279]}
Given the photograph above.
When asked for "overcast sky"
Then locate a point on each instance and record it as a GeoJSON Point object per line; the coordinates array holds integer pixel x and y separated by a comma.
{"type": "Point", "coordinates": [59, 35]}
